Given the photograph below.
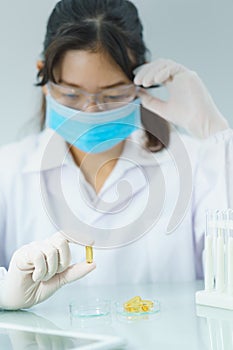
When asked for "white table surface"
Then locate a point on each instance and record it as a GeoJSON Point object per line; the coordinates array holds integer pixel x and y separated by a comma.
{"type": "Point", "coordinates": [180, 324]}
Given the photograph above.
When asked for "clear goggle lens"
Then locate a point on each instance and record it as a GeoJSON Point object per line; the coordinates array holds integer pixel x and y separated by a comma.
{"type": "Point", "coordinates": [107, 99]}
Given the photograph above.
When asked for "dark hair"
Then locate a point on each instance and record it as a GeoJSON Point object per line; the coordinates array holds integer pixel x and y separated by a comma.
{"type": "Point", "coordinates": [109, 25]}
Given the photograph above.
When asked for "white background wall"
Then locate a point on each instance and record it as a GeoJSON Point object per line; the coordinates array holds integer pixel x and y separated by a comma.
{"type": "Point", "coordinates": [196, 33]}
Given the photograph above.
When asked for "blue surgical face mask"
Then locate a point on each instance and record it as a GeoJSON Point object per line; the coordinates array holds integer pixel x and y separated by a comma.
{"type": "Point", "coordinates": [93, 132]}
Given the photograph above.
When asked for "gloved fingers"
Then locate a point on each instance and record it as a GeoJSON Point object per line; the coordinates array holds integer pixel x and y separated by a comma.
{"type": "Point", "coordinates": [160, 76]}
{"type": "Point", "coordinates": [51, 258]}
{"type": "Point", "coordinates": [74, 272]}
{"type": "Point", "coordinates": [64, 256]}
{"type": "Point", "coordinates": [43, 257]}
{"type": "Point", "coordinates": [157, 72]}
{"type": "Point", "coordinates": [21, 259]}
{"type": "Point", "coordinates": [156, 65]}
{"type": "Point", "coordinates": [141, 71]}
{"type": "Point", "coordinates": [152, 103]}
{"type": "Point", "coordinates": [40, 263]}
{"type": "Point", "coordinates": [157, 77]}
{"type": "Point", "coordinates": [30, 259]}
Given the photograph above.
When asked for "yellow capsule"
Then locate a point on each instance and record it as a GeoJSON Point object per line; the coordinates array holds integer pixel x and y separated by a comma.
{"type": "Point", "coordinates": [128, 309]}
{"type": "Point", "coordinates": [89, 254]}
{"type": "Point", "coordinates": [145, 308]}
{"type": "Point", "coordinates": [133, 308]}
{"type": "Point", "coordinates": [148, 303]}
{"type": "Point", "coordinates": [136, 304]}
{"type": "Point", "coordinates": [133, 301]}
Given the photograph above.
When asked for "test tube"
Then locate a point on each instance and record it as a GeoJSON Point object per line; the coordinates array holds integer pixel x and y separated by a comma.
{"type": "Point", "coordinates": [230, 252]}
{"type": "Point", "coordinates": [220, 268]}
{"type": "Point", "coordinates": [209, 273]}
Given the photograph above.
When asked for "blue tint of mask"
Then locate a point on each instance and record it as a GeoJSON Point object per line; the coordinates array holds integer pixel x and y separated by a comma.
{"type": "Point", "coordinates": [93, 132]}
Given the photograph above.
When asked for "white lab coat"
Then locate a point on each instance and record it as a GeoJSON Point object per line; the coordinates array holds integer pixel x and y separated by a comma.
{"type": "Point", "coordinates": [156, 256]}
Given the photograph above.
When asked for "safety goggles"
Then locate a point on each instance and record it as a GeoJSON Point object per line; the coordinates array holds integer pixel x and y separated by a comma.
{"type": "Point", "coordinates": [106, 99]}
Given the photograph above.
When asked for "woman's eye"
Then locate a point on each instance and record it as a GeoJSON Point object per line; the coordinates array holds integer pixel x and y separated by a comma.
{"type": "Point", "coordinates": [117, 97]}
{"type": "Point", "coordinates": [70, 96]}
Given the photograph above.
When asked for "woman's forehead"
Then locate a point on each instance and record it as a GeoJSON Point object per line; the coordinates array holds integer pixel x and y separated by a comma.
{"type": "Point", "coordinates": [79, 68]}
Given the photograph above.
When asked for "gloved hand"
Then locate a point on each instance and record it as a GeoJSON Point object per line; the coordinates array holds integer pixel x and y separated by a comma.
{"type": "Point", "coordinates": [189, 105]}
{"type": "Point", "coordinates": [37, 270]}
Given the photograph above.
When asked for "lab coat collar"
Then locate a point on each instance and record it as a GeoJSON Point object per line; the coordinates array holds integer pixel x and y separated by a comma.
{"type": "Point", "coordinates": [59, 155]}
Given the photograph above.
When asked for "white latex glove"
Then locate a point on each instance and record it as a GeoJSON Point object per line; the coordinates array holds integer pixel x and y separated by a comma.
{"type": "Point", "coordinates": [189, 106]}
{"type": "Point", "coordinates": [37, 270]}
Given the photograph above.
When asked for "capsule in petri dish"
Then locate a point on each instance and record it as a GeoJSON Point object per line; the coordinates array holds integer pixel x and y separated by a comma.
{"type": "Point", "coordinates": [133, 301]}
{"type": "Point", "coordinates": [89, 254]}
{"type": "Point", "coordinates": [136, 304]}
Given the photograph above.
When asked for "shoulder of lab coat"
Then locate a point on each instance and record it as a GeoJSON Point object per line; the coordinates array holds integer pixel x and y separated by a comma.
{"type": "Point", "coordinates": [14, 155]}
{"type": "Point", "coordinates": [12, 159]}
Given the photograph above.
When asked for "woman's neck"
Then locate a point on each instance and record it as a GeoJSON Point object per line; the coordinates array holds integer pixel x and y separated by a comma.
{"type": "Point", "coordinates": [96, 167]}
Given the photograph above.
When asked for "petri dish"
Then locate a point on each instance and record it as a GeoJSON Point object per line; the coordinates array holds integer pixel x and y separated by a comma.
{"type": "Point", "coordinates": [90, 308]}
{"type": "Point", "coordinates": [131, 316]}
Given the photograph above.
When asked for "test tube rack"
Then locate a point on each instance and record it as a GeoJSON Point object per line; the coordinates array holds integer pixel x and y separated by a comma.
{"type": "Point", "coordinates": [218, 261]}
{"type": "Point", "coordinates": [218, 327]}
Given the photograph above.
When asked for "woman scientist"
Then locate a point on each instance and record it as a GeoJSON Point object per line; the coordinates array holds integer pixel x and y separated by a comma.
{"type": "Point", "coordinates": [104, 158]}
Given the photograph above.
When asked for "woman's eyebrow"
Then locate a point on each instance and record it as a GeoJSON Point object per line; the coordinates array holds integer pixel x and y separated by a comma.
{"type": "Point", "coordinates": [69, 84]}
{"type": "Point", "coordinates": [114, 85]}
{"type": "Point", "coordinates": [102, 87]}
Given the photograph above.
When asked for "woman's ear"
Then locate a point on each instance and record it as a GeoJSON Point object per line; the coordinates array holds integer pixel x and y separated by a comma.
{"type": "Point", "coordinates": [39, 66]}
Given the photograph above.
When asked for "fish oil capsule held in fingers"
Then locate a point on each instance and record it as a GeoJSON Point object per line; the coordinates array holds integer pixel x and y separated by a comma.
{"type": "Point", "coordinates": [89, 254]}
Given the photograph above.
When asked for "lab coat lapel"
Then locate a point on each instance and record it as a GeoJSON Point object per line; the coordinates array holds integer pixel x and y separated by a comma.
{"type": "Point", "coordinates": [129, 176]}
